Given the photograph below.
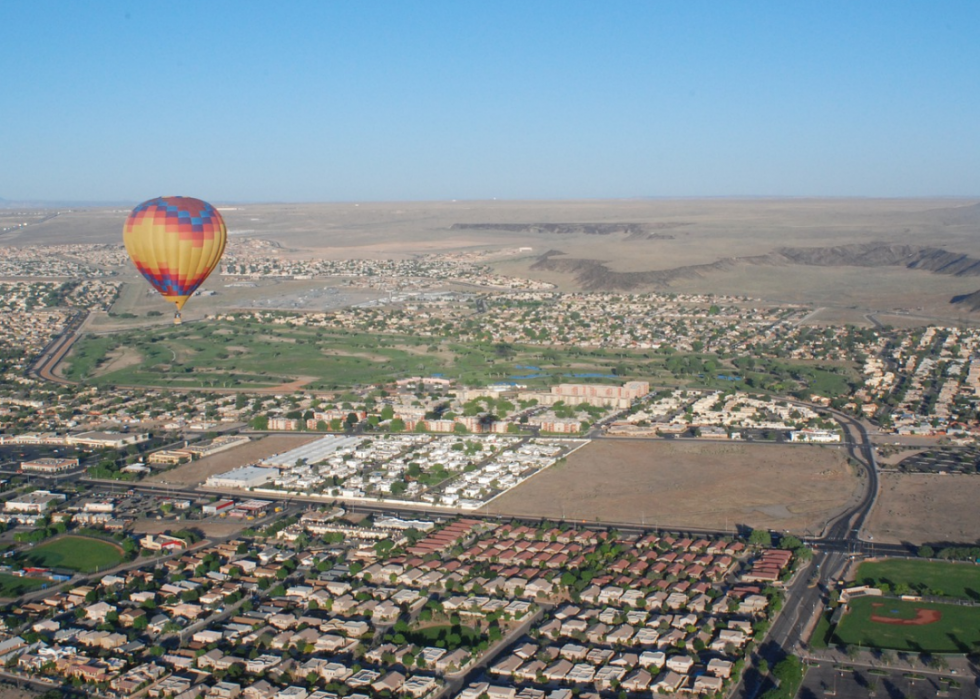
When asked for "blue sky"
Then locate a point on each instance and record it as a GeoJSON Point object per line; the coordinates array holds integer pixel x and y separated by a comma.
{"type": "Point", "coordinates": [341, 101]}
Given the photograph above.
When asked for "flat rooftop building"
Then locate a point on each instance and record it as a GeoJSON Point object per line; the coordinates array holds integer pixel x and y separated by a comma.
{"type": "Point", "coordinates": [244, 477]}
{"type": "Point", "coordinates": [36, 501]}
{"type": "Point", "coordinates": [107, 439]}
{"type": "Point", "coordinates": [312, 452]}
{"type": "Point", "coordinates": [49, 465]}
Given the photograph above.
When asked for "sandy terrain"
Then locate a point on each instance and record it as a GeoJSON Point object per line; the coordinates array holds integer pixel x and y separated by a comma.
{"type": "Point", "coordinates": [842, 289]}
{"type": "Point", "coordinates": [926, 508]}
{"type": "Point", "coordinates": [906, 441]}
{"type": "Point", "coordinates": [895, 456]}
{"type": "Point", "coordinates": [683, 232]}
{"type": "Point", "coordinates": [120, 359]}
{"type": "Point", "coordinates": [8, 691]}
{"type": "Point", "coordinates": [197, 472]}
{"type": "Point", "coordinates": [695, 484]}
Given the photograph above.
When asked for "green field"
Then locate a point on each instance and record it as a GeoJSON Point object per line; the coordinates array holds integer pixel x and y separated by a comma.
{"type": "Point", "coordinates": [821, 636]}
{"type": "Point", "coordinates": [957, 631]}
{"type": "Point", "coordinates": [13, 586]}
{"type": "Point", "coordinates": [75, 553]}
{"type": "Point", "coordinates": [247, 354]}
{"type": "Point", "coordinates": [935, 578]}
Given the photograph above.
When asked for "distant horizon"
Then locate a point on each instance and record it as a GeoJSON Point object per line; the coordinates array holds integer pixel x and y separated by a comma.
{"type": "Point", "coordinates": [8, 203]}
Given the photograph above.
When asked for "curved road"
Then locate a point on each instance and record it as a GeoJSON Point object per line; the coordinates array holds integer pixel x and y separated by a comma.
{"type": "Point", "coordinates": [43, 367]}
{"type": "Point", "coordinates": [833, 551]}
{"type": "Point", "coordinates": [849, 528]}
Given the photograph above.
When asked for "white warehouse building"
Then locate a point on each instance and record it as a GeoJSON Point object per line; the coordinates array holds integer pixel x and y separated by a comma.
{"type": "Point", "coordinates": [244, 477]}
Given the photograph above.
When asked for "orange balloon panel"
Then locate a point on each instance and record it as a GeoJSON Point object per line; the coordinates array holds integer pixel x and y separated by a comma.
{"type": "Point", "coordinates": [175, 242]}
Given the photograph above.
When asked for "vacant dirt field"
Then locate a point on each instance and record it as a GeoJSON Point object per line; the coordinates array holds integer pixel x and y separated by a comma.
{"type": "Point", "coordinates": [10, 692]}
{"type": "Point", "coordinates": [211, 527]}
{"type": "Point", "coordinates": [197, 472]}
{"type": "Point", "coordinates": [926, 508]}
{"type": "Point", "coordinates": [675, 484]}
{"type": "Point", "coordinates": [892, 456]}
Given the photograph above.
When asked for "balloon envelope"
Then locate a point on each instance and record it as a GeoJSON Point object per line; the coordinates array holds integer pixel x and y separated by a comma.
{"type": "Point", "coordinates": [175, 242]}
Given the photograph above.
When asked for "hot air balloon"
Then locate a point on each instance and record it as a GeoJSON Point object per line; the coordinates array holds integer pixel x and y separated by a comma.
{"type": "Point", "coordinates": [175, 242]}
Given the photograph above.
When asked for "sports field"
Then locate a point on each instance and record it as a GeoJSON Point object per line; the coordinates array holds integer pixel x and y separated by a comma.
{"type": "Point", "coordinates": [877, 622]}
{"type": "Point", "coordinates": [76, 553]}
{"type": "Point", "coordinates": [14, 586]}
{"type": "Point", "coordinates": [936, 578]}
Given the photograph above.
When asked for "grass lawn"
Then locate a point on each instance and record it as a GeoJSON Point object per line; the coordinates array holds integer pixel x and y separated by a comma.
{"type": "Point", "coordinates": [960, 580]}
{"type": "Point", "coordinates": [13, 586]}
{"type": "Point", "coordinates": [76, 553]}
{"type": "Point", "coordinates": [821, 632]}
{"type": "Point", "coordinates": [248, 355]}
{"type": "Point", "coordinates": [957, 631]}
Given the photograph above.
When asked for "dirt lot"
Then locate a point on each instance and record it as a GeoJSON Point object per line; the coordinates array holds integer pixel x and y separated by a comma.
{"type": "Point", "coordinates": [197, 472]}
{"type": "Point", "coordinates": [213, 528]}
{"type": "Point", "coordinates": [695, 484]}
{"type": "Point", "coordinates": [921, 508]}
{"type": "Point", "coordinates": [892, 456]}
{"type": "Point", "coordinates": [10, 692]}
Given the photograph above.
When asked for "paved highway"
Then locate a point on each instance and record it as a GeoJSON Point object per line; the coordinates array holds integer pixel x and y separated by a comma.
{"type": "Point", "coordinates": [833, 549]}
{"type": "Point", "coordinates": [55, 351]}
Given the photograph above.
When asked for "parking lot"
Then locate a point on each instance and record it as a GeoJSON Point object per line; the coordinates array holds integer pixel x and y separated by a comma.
{"type": "Point", "coordinates": [826, 680]}
{"type": "Point", "coordinates": [964, 460]}
{"type": "Point", "coordinates": [178, 508]}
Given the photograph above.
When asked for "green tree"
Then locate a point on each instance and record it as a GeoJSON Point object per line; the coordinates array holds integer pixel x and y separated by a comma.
{"type": "Point", "coordinates": [790, 542]}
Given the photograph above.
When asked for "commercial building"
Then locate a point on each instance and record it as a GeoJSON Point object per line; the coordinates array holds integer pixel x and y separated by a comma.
{"type": "Point", "coordinates": [36, 501]}
{"type": "Point", "coordinates": [158, 542]}
{"type": "Point", "coordinates": [33, 438]}
{"type": "Point", "coordinates": [169, 457]}
{"type": "Point", "coordinates": [49, 465]}
{"type": "Point", "coordinates": [214, 446]}
{"type": "Point", "coordinates": [814, 436]}
{"type": "Point", "coordinates": [251, 509]}
{"type": "Point", "coordinates": [197, 451]}
{"type": "Point", "coordinates": [311, 453]}
{"type": "Point", "coordinates": [218, 506]}
{"type": "Point", "coordinates": [116, 440]}
{"type": "Point", "coordinates": [244, 477]}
